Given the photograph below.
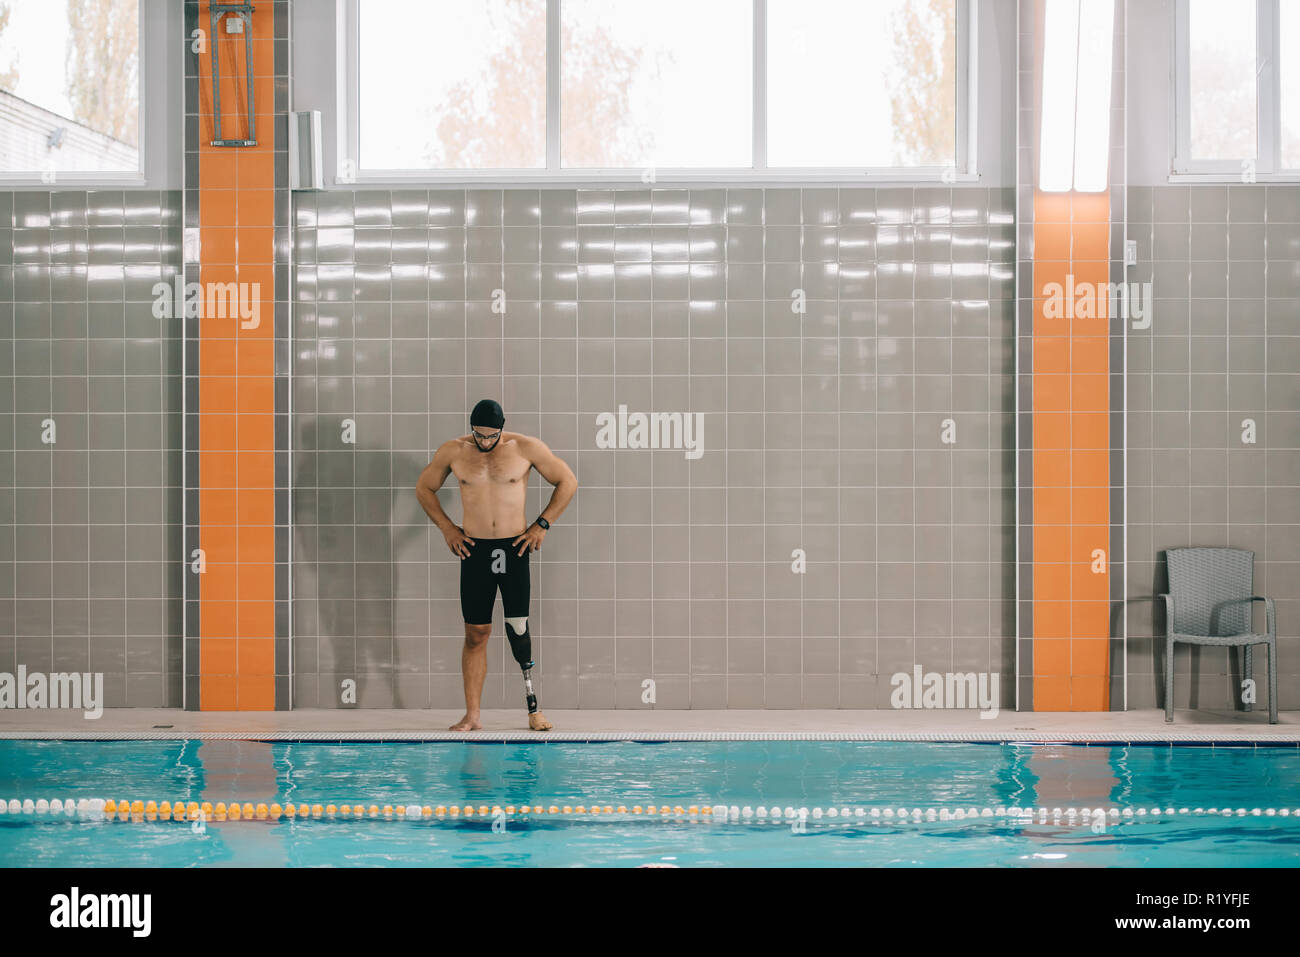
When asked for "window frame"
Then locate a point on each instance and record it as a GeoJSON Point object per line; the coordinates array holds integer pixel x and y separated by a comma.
{"type": "Point", "coordinates": [1268, 108]}
{"type": "Point", "coordinates": [348, 131]}
{"type": "Point", "coordinates": [120, 177]}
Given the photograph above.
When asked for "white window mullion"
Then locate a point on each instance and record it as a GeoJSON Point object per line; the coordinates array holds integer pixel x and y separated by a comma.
{"type": "Point", "coordinates": [553, 117]}
{"type": "Point", "coordinates": [1268, 90]}
{"type": "Point", "coordinates": [966, 158]}
{"type": "Point", "coordinates": [347, 138]}
{"type": "Point", "coordinates": [1182, 115]}
{"type": "Point", "coordinates": [760, 85]}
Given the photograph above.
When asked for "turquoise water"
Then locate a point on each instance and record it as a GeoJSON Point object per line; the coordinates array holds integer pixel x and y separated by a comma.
{"type": "Point", "coordinates": [768, 773]}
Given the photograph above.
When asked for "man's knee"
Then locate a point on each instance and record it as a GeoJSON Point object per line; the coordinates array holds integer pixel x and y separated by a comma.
{"type": "Point", "coordinates": [520, 625]}
{"type": "Point", "coordinates": [477, 635]}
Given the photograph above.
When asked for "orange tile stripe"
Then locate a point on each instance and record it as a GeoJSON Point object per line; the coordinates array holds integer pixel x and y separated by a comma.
{"type": "Point", "coordinates": [236, 385]}
{"type": "Point", "coordinates": [1071, 453]}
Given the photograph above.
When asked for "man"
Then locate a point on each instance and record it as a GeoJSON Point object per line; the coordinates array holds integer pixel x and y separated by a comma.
{"type": "Point", "coordinates": [492, 468]}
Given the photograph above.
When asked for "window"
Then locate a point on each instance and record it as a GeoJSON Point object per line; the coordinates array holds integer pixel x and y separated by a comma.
{"type": "Point", "coordinates": [478, 100]}
{"type": "Point", "coordinates": [636, 90]}
{"type": "Point", "coordinates": [70, 89]}
{"type": "Point", "coordinates": [672, 89]}
{"type": "Point", "coordinates": [1237, 88]}
{"type": "Point", "coordinates": [891, 65]}
{"type": "Point", "coordinates": [1074, 138]}
{"type": "Point", "coordinates": [1289, 66]}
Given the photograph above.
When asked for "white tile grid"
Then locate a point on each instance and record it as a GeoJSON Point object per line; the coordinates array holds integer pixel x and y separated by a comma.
{"type": "Point", "coordinates": [1119, 272]}
{"type": "Point", "coordinates": [614, 358]}
{"type": "Point", "coordinates": [500, 646]}
{"type": "Point", "coordinates": [577, 504]}
{"type": "Point", "coordinates": [763, 456]}
{"type": "Point", "coordinates": [803, 281]}
{"type": "Point", "coordinates": [915, 416]}
{"type": "Point", "coordinates": [54, 561]}
{"type": "Point", "coordinates": [319, 696]}
{"type": "Point", "coordinates": [1258, 536]}
{"type": "Point", "coordinates": [1024, 220]}
{"type": "Point", "coordinates": [653, 668]}
{"type": "Point", "coordinates": [13, 517]}
{"type": "Point", "coordinates": [726, 480]}
{"type": "Point", "coordinates": [1268, 439]}
{"type": "Point", "coordinates": [537, 651]}
{"type": "Point", "coordinates": [839, 514]}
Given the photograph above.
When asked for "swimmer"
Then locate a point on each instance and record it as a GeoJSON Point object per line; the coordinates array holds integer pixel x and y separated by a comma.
{"type": "Point", "coordinates": [492, 467]}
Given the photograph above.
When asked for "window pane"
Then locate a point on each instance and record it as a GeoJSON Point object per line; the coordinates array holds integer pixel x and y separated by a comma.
{"type": "Point", "coordinates": [1221, 67]}
{"type": "Point", "coordinates": [475, 100]}
{"type": "Point", "coordinates": [862, 84]}
{"type": "Point", "coordinates": [1289, 29]}
{"type": "Point", "coordinates": [69, 86]}
{"type": "Point", "coordinates": [656, 85]}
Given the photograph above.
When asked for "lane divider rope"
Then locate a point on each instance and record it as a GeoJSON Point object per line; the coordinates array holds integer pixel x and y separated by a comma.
{"type": "Point", "coordinates": [99, 809]}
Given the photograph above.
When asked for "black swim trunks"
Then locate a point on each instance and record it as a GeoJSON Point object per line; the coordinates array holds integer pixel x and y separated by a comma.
{"type": "Point", "coordinates": [493, 563]}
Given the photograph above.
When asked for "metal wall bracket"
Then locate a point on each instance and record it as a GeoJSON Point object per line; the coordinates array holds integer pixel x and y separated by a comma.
{"type": "Point", "coordinates": [245, 13]}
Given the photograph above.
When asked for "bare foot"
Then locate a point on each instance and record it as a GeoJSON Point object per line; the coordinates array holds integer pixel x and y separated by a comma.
{"type": "Point", "coordinates": [467, 723]}
{"type": "Point", "coordinates": [538, 722]}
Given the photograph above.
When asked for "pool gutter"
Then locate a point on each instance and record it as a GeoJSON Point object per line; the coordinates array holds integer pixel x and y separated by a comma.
{"type": "Point", "coordinates": [1077, 738]}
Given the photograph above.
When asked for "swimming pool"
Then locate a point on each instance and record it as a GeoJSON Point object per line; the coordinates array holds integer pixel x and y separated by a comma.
{"type": "Point", "coordinates": [867, 803]}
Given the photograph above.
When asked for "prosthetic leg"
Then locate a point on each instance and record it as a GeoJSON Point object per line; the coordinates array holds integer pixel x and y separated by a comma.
{"type": "Point", "coordinates": [521, 646]}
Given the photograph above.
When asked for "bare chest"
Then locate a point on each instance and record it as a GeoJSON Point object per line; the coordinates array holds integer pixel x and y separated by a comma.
{"type": "Point", "coordinates": [477, 470]}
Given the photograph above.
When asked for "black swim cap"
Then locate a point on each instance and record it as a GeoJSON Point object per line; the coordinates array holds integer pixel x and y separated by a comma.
{"type": "Point", "coordinates": [488, 413]}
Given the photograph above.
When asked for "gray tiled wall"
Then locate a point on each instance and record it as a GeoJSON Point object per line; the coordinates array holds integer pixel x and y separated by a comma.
{"type": "Point", "coordinates": [823, 432]}
{"type": "Point", "coordinates": [662, 300]}
{"type": "Point", "coordinates": [1223, 347]}
{"type": "Point", "coordinates": [90, 554]}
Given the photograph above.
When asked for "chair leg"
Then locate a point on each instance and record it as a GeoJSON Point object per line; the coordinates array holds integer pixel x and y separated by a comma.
{"type": "Point", "coordinates": [1169, 680]}
{"type": "Point", "coordinates": [1248, 673]}
{"type": "Point", "coordinates": [1272, 681]}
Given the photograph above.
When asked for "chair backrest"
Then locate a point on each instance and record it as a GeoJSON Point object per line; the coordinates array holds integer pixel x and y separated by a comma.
{"type": "Point", "coordinates": [1202, 580]}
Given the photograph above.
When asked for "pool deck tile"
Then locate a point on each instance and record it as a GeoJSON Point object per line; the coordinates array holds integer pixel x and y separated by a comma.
{"type": "Point", "coordinates": [1147, 726]}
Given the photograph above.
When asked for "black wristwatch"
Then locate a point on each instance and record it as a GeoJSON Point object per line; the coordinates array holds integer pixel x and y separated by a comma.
{"type": "Point", "coordinates": [543, 522]}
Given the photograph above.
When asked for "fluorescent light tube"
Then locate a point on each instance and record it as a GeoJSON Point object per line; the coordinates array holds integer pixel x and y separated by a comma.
{"type": "Point", "coordinates": [1060, 78]}
{"type": "Point", "coordinates": [1092, 99]}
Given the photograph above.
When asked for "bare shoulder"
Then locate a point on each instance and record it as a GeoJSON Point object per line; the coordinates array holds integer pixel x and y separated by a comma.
{"type": "Point", "coordinates": [529, 446]}
{"type": "Point", "coordinates": [539, 455]}
{"type": "Point", "coordinates": [449, 451]}
{"type": "Point", "coordinates": [440, 466]}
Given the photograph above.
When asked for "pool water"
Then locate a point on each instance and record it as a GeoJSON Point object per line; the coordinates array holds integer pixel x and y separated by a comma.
{"type": "Point", "coordinates": [885, 776]}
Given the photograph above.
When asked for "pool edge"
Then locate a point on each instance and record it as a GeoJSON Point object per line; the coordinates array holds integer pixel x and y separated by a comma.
{"type": "Point", "coordinates": [1080, 738]}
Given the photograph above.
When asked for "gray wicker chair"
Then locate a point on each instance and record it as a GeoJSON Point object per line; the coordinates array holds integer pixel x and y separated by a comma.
{"type": "Point", "coordinates": [1211, 596]}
